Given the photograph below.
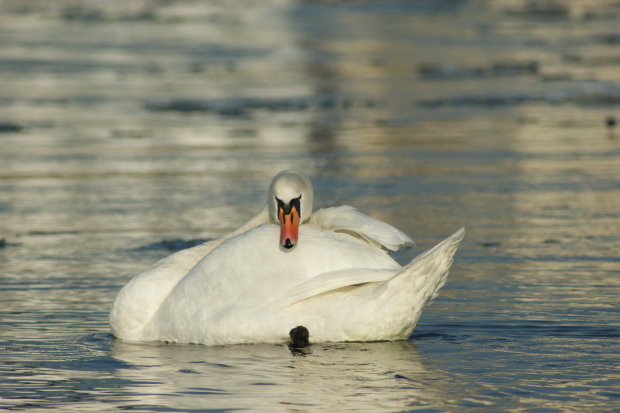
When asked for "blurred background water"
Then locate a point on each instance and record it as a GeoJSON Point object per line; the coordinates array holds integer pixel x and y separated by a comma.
{"type": "Point", "coordinates": [129, 130]}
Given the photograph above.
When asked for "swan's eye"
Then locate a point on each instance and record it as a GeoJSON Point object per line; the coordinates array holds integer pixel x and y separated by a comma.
{"type": "Point", "coordinates": [295, 202]}
{"type": "Point", "coordinates": [279, 203]}
{"type": "Point", "coordinates": [286, 208]}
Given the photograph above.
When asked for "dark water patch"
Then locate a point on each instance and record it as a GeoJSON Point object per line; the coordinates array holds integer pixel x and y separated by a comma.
{"type": "Point", "coordinates": [402, 377]}
{"type": "Point", "coordinates": [392, 8]}
{"type": "Point", "coordinates": [552, 11]}
{"type": "Point", "coordinates": [242, 107]}
{"type": "Point", "coordinates": [512, 329]}
{"type": "Point", "coordinates": [486, 100]}
{"type": "Point", "coordinates": [131, 133]}
{"type": "Point", "coordinates": [556, 77]}
{"type": "Point", "coordinates": [490, 244]}
{"type": "Point", "coordinates": [238, 107]}
{"type": "Point", "coordinates": [436, 334]}
{"type": "Point", "coordinates": [611, 122]}
{"type": "Point", "coordinates": [499, 69]}
{"type": "Point", "coordinates": [205, 390]}
{"type": "Point", "coordinates": [52, 232]}
{"type": "Point", "coordinates": [82, 13]}
{"type": "Point", "coordinates": [86, 12]}
{"type": "Point", "coordinates": [74, 100]}
{"type": "Point", "coordinates": [4, 243]}
{"type": "Point", "coordinates": [607, 38]}
{"type": "Point", "coordinates": [593, 61]}
{"type": "Point", "coordinates": [161, 408]}
{"type": "Point", "coordinates": [10, 127]}
{"type": "Point", "coordinates": [172, 244]}
{"type": "Point", "coordinates": [571, 258]}
{"type": "Point", "coordinates": [597, 94]}
{"type": "Point", "coordinates": [188, 371]}
{"type": "Point", "coordinates": [300, 351]}
{"type": "Point", "coordinates": [90, 13]}
{"type": "Point", "coordinates": [58, 66]}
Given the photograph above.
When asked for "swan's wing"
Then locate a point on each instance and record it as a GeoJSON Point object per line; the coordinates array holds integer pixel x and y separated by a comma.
{"type": "Point", "coordinates": [348, 220]}
{"type": "Point", "coordinates": [140, 298]}
{"type": "Point", "coordinates": [334, 280]}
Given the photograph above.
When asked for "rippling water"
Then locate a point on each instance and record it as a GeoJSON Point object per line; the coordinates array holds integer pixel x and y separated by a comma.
{"type": "Point", "coordinates": [129, 130]}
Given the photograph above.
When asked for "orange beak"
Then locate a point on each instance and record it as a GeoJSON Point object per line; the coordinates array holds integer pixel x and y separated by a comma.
{"type": "Point", "coordinates": [289, 227]}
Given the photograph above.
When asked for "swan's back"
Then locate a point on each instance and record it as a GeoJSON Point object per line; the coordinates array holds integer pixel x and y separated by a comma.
{"type": "Point", "coordinates": [250, 274]}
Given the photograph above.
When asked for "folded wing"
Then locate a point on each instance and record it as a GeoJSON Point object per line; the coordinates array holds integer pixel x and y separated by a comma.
{"type": "Point", "coordinates": [348, 220]}
{"type": "Point", "coordinates": [334, 280]}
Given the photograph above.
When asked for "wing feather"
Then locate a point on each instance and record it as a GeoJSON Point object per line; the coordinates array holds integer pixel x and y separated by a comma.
{"type": "Point", "coordinates": [348, 220]}
{"type": "Point", "coordinates": [334, 280]}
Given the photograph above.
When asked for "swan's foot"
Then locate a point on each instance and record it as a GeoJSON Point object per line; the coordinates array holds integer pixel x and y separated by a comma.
{"type": "Point", "coordinates": [299, 337]}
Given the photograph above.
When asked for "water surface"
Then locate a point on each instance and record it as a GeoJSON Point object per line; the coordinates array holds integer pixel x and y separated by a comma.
{"type": "Point", "coordinates": [129, 131]}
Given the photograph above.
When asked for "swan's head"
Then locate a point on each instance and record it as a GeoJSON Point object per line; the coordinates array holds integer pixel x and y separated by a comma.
{"type": "Point", "coordinates": [290, 204]}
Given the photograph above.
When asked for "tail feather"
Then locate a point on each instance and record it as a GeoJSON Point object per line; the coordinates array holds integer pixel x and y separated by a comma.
{"type": "Point", "coordinates": [429, 270]}
{"type": "Point", "coordinates": [399, 301]}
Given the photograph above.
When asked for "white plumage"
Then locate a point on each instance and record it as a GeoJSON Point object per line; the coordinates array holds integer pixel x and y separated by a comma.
{"type": "Point", "coordinates": [336, 280]}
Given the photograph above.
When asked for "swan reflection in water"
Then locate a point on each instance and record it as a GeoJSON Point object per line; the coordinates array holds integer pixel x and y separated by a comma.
{"type": "Point", "coordinates": [389, 376]}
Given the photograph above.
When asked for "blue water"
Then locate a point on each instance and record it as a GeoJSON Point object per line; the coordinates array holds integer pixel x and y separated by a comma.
{"type": "Point", "coordinates": [131, 130]}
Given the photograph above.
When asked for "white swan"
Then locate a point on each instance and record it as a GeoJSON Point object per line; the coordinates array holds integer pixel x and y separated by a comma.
{"type": "Point", "coordinates": [329, 272]}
